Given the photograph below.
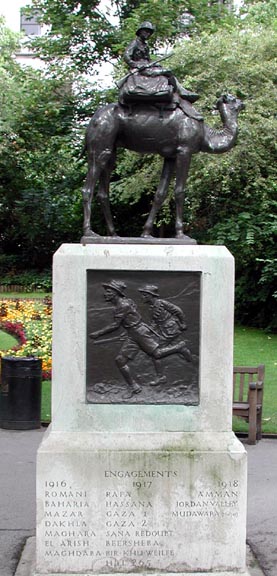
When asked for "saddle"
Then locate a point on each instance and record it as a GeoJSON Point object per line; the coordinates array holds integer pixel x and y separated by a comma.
{"type": "Point", "coordinates": [151, 89]}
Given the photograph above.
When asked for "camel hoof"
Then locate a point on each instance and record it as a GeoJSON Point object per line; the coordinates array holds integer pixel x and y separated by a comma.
{"type": "Point", "coordinates": [88, 233]}
{"type": "Point", "coordinates": [146, 235]}
{"type": "Point", "coordinates": [182, 236]}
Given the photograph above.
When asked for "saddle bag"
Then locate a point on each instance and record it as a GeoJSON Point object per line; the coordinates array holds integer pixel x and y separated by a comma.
{"type": "Point", "coordinates": [139, 88]}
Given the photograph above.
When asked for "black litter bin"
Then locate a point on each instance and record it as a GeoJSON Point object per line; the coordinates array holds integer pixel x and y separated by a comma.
{"type": "Point", "coordinates": [20, 393]}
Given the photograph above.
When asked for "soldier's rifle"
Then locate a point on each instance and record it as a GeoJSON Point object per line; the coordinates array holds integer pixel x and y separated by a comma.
{"type": "Point", "coordinates": [141, 68]}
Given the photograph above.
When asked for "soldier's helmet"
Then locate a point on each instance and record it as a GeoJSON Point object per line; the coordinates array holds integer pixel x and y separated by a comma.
{"type": "Point", "coordinates": [116, 285]}
{"type": "Point", "coordinates": [149, 289]}
{"type": "Point", "coordinates": [146, 26]}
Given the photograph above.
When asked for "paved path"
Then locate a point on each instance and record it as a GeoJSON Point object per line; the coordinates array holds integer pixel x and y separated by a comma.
{"type": "Point", "coordinates": [17, 494]}
{"type": "Point", "coordinates": [17, 498]}
{"type": "Point", "coordinates": [262, 503]}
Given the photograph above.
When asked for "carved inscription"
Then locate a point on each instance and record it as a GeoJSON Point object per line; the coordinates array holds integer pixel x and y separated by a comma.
{"type": "Point", "coordinates": [210, 503]}
{"type": "Point", "coordinates": [132, 520]}
{"type": "Point", "coordinates": [66, 529]}
{"type": "Point", "coordinates": [131, 534]}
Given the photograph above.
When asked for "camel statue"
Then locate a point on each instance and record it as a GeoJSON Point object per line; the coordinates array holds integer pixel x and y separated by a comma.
{"type": "Point", "coordinates": [149, 130]}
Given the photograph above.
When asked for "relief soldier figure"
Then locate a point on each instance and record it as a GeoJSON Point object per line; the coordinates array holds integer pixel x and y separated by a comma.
{"type": "Point", "coordinates": [140, 337]}
{"type": "Point", "coordinates": [167, 319]}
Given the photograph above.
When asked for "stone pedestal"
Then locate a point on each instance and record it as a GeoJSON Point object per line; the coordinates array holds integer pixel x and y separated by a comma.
{"type": "Point", "coordinates": [140, 484]}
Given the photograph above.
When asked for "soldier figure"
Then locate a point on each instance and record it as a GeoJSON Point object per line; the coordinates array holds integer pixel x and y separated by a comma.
{"type": "Point", "coordinates": [167, 319]}
{"type": "Point", "coordinates": [137, 56]}
{"type": "Point", "coordinates": [139, 336]}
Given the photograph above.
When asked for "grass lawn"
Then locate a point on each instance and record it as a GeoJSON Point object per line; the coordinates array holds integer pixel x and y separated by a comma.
{"type": "Point", "coordinates": [46, 401]}
{"type": "Point", "coordinates": [6, 341]}
{"type": "Point", "coordinates": [24, 295]}
{"type": "Point", "coordinates": [252, 347]}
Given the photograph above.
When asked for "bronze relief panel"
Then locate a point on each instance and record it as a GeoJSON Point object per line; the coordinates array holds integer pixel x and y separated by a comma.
{"type": "Point", "coordinates": [143, 335]}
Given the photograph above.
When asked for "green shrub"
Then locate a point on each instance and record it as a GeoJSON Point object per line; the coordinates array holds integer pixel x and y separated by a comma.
{"type": "Point", "coordinates": [30, 280]}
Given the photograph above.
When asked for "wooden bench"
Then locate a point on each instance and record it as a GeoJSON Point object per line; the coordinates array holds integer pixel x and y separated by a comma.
{"type": "Point", "coordinates": [248, 384]}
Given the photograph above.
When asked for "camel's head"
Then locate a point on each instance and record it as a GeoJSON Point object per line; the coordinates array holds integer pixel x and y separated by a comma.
{"type": "Point", "coordinates": [234, 104]}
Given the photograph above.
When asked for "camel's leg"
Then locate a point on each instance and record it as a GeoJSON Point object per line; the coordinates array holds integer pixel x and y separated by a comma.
{"type": "Point", "coordinates": [103, 194]}
{"type": "Point", "coordinates": [88, 191]}
{"type": "Point", "coordinates": [98, 165]}
{"type": "Point", "coordinates": [160, 196]}
{"type": "Point", "coordinates": [100, 143]}
{"type": "Point", "coordinates": [182, 169]}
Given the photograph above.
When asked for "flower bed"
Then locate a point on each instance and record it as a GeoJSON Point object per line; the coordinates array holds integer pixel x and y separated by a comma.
{"type": "Point", "coordinates": [30, 322]}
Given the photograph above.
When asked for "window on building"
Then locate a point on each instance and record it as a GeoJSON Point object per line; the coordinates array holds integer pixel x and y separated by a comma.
{"type": "Point", "coordinates": [29, 24]}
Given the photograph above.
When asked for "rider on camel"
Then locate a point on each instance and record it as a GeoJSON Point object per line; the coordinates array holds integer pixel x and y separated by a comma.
{"type": "Point", "coordinates": [137, 57]}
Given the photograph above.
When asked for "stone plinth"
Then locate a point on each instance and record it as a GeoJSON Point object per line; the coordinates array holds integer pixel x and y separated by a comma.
{"type": "Point", "coordinates": [140, 486]}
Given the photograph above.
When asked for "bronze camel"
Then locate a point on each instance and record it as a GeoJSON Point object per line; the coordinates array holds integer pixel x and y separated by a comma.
{"type": "Point", "coordinates": [171, 134]}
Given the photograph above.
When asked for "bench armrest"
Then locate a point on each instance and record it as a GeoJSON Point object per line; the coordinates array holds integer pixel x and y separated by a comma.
{"type": "Point", "coordinates": [256, 385]}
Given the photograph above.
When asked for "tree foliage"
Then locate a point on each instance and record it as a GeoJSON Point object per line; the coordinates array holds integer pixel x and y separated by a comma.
{"type": "Point", "coordinates": [39, 181]}
{"type": "Point", "coordinates": [237, 192]}
{"type": "Point", "coordinates": [84, 33]}
{"type": "Point", "coordinates": [78, 34]}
